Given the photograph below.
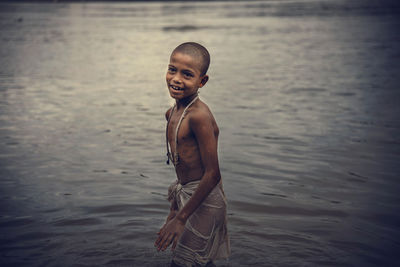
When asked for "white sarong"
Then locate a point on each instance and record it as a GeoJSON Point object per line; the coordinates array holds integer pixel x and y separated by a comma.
{"type": "Point", "coordinates": [205, 237]}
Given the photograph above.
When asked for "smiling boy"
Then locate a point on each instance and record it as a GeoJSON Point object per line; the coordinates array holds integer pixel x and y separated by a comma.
{"type": "Point", "coordinates": [196, 224]}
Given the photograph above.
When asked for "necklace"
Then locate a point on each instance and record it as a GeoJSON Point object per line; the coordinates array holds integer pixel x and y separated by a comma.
{"type": "Point", "coordinates": [175, 157]}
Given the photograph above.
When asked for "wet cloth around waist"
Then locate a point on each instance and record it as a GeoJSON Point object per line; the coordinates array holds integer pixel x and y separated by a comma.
{"type": "Point", "coordinates": [205, 236]}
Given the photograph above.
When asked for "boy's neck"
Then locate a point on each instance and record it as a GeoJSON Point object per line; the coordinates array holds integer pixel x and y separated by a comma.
{"type": "Point", "coordinates": [182, 103]}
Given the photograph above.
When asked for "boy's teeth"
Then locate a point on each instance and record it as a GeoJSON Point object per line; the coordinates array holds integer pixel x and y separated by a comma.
{"type": "Point", "coordinates": [175, 88]}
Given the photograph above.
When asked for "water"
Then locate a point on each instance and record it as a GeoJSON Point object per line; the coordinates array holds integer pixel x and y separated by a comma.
{"type": "Point", "coordinates": [305, 93]}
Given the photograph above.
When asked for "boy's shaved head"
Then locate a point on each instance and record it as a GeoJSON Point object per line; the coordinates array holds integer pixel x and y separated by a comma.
{"type": "Point", "coordinates": [196, 51]}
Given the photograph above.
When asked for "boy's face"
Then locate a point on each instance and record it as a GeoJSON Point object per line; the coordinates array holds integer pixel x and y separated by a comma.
{"type": "Point", "coordinates": [184, 76]}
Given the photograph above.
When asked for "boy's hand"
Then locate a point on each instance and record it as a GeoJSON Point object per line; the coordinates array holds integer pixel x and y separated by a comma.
{"type": "Point", "coordinates": [169, 233]}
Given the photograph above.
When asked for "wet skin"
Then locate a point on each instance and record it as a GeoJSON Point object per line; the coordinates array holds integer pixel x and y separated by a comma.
{"type": "Point", "coordinates": [197, 143]}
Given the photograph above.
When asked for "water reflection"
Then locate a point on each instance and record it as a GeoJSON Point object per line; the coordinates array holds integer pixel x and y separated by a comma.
{"type": "Point", "coordinates": [304, 93]}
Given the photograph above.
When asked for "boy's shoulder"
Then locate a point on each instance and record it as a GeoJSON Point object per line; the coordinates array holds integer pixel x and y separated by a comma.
{"type": "Point", "coordinates": [200, 114]}
{"type": "Point", "coordinates": [168, 112]}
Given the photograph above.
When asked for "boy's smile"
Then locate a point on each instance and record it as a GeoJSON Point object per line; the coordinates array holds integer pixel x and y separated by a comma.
{"type": "Point", "coordinates": [184, 76]}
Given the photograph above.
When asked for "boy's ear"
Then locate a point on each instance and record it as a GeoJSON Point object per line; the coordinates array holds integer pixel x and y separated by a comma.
{"type": "Point", "coordinates": [204, 80]}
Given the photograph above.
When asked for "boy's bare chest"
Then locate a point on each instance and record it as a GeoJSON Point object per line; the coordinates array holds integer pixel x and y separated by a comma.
{"type": "Point", "coordinates": [181, 130]}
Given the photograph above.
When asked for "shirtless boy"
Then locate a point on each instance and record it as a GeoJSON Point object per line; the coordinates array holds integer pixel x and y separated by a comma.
{"type": "Point", "coordinates": [196, 224]}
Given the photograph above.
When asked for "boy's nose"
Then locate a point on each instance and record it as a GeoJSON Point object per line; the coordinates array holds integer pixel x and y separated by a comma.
{"type": "Point", "coordinates": [177, 79]}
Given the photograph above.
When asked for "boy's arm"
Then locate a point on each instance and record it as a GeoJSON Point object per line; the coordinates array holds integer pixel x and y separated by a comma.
{"type": "Point", "coordinates": [202, 127]}
{"type": "Point", "coordinates": [173, 210]}
{"type": "Point", "coordinates": [167, 113]}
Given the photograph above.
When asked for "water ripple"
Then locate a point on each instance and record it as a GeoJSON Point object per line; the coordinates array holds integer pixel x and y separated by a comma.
{"type": "Point", "coordinates": [290, 211]}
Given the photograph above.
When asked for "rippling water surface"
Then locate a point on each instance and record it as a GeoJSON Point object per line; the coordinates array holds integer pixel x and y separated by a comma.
{"type": "Point", "coordinates": [306, 94]}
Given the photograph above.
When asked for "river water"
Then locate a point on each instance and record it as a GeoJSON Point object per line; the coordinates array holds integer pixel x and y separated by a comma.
{"type": "Point", "coordinates": [306, 95]}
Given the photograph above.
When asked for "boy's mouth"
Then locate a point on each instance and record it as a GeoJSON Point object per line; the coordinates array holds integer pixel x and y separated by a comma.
{"type": "Point", "coordinates": [176, 88]}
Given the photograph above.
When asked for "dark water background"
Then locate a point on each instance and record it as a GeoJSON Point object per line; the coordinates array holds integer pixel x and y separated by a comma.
{"type": "Point", "coordinates": [306, 94]}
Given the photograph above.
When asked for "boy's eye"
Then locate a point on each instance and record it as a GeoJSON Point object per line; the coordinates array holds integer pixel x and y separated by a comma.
{"type": "Point", "coordinates": [187, 74]}
{"type": "Point", "coordinates": [171, 69]}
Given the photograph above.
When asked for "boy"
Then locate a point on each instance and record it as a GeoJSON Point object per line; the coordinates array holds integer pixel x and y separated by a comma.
{"type": "Point", "coordinates": [196, 224]}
